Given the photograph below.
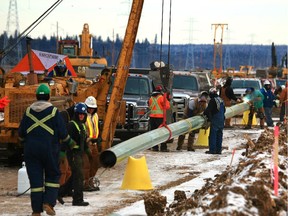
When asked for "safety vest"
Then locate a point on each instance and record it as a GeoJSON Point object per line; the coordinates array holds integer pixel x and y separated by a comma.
{"type": "Point", "coordinates": [55, 73]}
{"type": "Point", "coordinates": [155, 107]}
{"type": "Point", "coordinates": [77, 126]}
{"type": "Point", "coordinates": [92, 125]}
{"type": "Point", "coordinates": [40, 122]}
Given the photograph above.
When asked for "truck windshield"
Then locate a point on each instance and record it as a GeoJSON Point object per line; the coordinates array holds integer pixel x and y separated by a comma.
{"type": "Point", "coordinates": [185, 82]}
{"type": "Point", "coordinates": [246, 84]}
{"type": "Point", "coordinates": [134, 86]}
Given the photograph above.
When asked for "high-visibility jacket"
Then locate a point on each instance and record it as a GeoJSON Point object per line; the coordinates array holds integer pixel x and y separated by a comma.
{"type": "Point", "coordinates": [157, 104]}
{"type": "Point", "coordinates": [92, 126]}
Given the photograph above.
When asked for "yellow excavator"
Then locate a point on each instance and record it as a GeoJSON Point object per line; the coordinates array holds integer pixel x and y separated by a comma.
{"type": "Point", "coordinates": [80, 52]}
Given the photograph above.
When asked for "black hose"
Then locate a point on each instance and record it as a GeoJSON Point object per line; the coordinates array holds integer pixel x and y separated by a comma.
{"type": "Point", "coordinates": [23, 192]}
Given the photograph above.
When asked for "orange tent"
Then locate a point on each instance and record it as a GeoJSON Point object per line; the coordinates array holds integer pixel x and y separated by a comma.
{"type": "Point", "coordinates": [42, 61]}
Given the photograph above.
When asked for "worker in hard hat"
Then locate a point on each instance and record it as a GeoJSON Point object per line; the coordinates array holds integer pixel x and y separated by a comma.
{"type": "Point", "coordinates": [158, 104]}
{"type": "Point", "coordinates": [255, 99]}
{"type": "Point", "coordinates": [215, 119]}
{"type": "Point", "coordinates": [91, 165]}
{"type": "Point", "coordinates": [60, 70]}
{"type": "Point", "coordinates": [227, 94]}
{"type": "Point", "coordinates": [41, 130]}
{"type": "Point", "coordinates": [195, 107]}
{"type": "Point", "coordinates": [268, 102]}
{"type": "Point", "coordinates": [77, 130]}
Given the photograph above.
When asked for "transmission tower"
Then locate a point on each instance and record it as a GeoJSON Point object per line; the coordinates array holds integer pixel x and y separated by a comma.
{"type": "Point", "coordinates": [189, 64]}
{"type": "Point", "coordinates": [12, 29]}
{"type": "Point", "coordinates": [218, 46]}
{"type": "Point", "coordinates": [227, 58]}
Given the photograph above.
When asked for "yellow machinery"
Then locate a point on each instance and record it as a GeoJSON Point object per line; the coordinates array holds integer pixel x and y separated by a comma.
{"type": "Point", "coordinates": [62, 93]}
{"type": "Point", "coordinates": [245, 71]}
{"type": "Point", "coordinates": [80, 52]}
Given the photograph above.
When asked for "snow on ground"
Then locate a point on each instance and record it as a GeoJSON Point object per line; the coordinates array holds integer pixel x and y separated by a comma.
{"type": "Point", "coordinates": [191, 172]}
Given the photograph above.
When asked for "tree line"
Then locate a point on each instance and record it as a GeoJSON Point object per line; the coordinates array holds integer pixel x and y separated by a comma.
{"type": "Point", "coordinates": [182, 56]}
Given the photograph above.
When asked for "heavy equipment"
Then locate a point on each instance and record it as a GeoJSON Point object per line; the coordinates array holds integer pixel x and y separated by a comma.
{"type": "Point", "coordinates": [80, 52]}
{"type": "Point", "coordinates": [21, 92]}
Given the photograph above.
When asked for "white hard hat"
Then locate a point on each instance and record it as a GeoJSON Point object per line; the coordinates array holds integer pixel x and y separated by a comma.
{"type": "Point", "coordinates": [266, 82]}
{"type": "Point", "coordinates": [91, 102]}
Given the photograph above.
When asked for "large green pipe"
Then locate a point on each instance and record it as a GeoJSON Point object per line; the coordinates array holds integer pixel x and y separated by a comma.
{"type": "Point", "coordinates": [121, 151]}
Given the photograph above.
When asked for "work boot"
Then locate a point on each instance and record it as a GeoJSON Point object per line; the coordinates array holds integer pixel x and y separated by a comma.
{"type": "Point", "coordinates": [180, 142]}
{"type": "Point", "coordinates": [165, 150]}
{"type": "Point", "coordinates": [190, 149]}
{"type": "Point", "coordinates": [190, 142]}
{"type": "Point", "coordinates": [49, 209]}
{"type": "Point", "coordinates": [60, 200]}
{"type": "Point", "coordinates": [82, 203]}
{"type": "Point", "coordinates": [36, 214]}
{"type": "Point", "coordinates": [247, 127]}
{"type": "Point", "coordinates": [91, 188]}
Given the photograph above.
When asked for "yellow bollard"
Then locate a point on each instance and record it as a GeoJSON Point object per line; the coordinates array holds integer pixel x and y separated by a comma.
{"type": "Point", "coordinates": [246, 117]}
{"type": "Point", "coordinates": [136, 175]}
{"type": "Point", "coordinates": [202, 139]}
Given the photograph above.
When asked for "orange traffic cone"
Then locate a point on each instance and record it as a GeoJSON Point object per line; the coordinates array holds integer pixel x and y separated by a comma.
{"type": "Point", "coordinates": [202, 139]}
{"type": "Point", "coordinates": [136, 175]}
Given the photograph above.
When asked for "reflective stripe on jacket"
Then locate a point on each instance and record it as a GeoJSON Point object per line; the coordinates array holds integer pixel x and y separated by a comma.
{"type": "Point", "coordinates": [92, 126]}
{"type": "Point", "coordinates": [55, 73]}
{"type": "Point", "coordinates": [40, 122]}
{"type": "Point", "coordinates": [156, 105]}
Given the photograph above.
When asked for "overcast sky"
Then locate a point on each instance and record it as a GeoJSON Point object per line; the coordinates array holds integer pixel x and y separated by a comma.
{"type": "Point", "coordinates": [249, 21]}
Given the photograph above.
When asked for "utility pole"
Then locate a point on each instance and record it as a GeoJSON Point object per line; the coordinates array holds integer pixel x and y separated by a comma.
{"type": "Point", "coordinates": [218, 47]}
{"type": "Point", "coordinates": [12, 29]}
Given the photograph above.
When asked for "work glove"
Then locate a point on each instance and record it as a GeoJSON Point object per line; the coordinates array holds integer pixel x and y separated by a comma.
{"type": "Point", "coordinates": [4, 102]}
{"type": "Point", "coordinates": [72, 144]}
{"type": "Point", "coordinates": [62, 157]}
{"type": "Point", "coordinates": [206, 125]}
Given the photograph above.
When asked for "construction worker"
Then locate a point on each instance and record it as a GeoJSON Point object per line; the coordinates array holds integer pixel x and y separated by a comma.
{"type": "Point", "coordinates": [227, 94]}
{"type": "Point", "coordinates": [283, 103]}
{"type": "Point", "coordinates": [157, 104]}
{"type": "Point", "coordinates": [255, 98]}
{"type": "Point", "coordinates": [77, 130]}
{"type": "Point", "coordinates": [60, 70]}
{"type": "Point", "coordinates": [41, 130]}
{"type": "Point", "coordinates": [195, 107]}
{"type": "Point", "coordinates": [215, 118]}
{"type": "Point", "coordinates": [268, 102]}
{"type": "Point", "coordinates": [94, 142]}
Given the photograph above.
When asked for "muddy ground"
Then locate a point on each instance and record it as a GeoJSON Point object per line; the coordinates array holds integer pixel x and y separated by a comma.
{"type": "Point", "coordinates": [250, 180]}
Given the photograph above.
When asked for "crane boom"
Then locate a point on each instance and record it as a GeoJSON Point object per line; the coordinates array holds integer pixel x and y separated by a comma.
{"type": "Point", "coordinates": [121, 74]}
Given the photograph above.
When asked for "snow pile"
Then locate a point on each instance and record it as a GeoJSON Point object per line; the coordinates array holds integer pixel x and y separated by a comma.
{"type": "Point", "coordinates": [247, 189]}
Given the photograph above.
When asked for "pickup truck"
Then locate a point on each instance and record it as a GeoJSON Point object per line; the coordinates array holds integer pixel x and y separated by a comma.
{"type": "Point", "coordinates": [240, 85]}
{"type": "Point", "coordinates": [188, 85]}
{"type": "Point", "coordinates": [137, 92]}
